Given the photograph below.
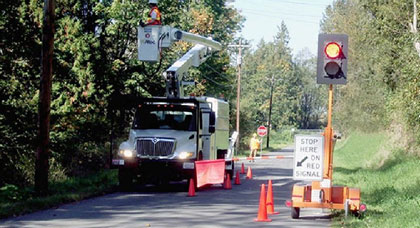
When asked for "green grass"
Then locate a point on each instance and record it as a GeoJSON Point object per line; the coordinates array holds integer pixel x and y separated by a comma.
{"type": "Point", "coordinates": [16, 201]}
{"type": "Point", "coordinates": [389, 182]}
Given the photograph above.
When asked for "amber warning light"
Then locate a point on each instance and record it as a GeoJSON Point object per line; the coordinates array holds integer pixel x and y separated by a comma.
{"type": "Point", "coordinates": [332, 50]}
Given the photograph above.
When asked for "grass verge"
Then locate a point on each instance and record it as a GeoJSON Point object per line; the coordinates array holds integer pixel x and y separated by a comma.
{"type": "Point", "coordinates": [15, 201]}
{"type": "Point", "coordinates": [389, 182]}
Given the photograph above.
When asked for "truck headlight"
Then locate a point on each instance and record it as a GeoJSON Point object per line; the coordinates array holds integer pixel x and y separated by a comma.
{"type": "Point", "coordinates": [184, 155]}
{"type": "Point", "coordinates": [126, 153]}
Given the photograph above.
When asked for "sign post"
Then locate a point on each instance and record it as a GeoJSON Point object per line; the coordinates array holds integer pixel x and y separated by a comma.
{"type": "Point", "coordinates": [309, 157]}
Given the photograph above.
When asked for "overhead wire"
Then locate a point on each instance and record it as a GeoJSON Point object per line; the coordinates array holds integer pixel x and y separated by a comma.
{"type": "Point", "coordinates": [276, 16]}
{"type": "Point", "coordinates": [278, 12]}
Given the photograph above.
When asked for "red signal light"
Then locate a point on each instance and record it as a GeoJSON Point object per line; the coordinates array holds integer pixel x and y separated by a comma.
{"type": "Point", "coordinates": [332, 50]}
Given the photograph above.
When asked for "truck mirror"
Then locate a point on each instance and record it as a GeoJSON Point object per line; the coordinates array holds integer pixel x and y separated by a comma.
{"type": "Point", "coordinates": [212, 127]}
{"type": "Point", "coordinates": [212, 118]}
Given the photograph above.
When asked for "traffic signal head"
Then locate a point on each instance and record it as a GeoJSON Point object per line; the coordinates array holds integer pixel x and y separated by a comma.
{"type": "Point", "coordinates": [332, 59]}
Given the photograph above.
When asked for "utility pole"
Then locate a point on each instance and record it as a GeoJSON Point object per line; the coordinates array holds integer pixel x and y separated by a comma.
{"type": "Point", "coordinates": [269, 113]}
{"type": "Point", "coordinates": [42, 153]}
{"type": "Point", "coordinates": [238, 89]}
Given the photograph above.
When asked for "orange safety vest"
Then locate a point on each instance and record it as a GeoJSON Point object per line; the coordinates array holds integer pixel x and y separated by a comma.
{"type": "Point", "coordinates": [158, 16]}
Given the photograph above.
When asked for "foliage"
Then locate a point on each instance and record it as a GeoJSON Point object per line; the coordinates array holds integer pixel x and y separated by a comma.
{"type": "Point", "coordinates": [16, 201]}
{"type": "Point", "coordinates": [389, 184]}
{"type": "Point", "coordinates": [384, 84]}
{"type": "Point", "coordinates": [270, 69]}
{"type": "Point", "coordinates": [96, 73]}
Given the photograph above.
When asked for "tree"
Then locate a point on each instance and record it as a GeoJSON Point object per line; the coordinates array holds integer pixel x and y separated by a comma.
{"type": "Point", "coordinates": [96, 72]}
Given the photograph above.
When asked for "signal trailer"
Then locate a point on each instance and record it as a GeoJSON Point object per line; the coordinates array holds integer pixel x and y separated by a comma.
{"type": "Point", "coordinates": [332, 69]}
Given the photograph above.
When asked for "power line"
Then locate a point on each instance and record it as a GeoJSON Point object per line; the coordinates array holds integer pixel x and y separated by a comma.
{"type": "Point", "coordinates": [278, 12]}
{"type": "Point", "coordinates": [276, 16]}
{"type": "Point", "coordinates": [217, 83]}
{"type": "Point", "coordinates": [295, 3]}
{"type": "Point", "coordinates": [215, 71]}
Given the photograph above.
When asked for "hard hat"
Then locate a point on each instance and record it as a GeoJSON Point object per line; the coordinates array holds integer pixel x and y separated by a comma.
{"type": "Point", "coordinates": [153, 1]}
{"type": "Point", "coordinates": [255, 134]}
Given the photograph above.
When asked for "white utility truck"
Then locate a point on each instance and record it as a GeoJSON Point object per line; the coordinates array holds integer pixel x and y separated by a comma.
{"type": "Point", "coordinates": [170, 133]}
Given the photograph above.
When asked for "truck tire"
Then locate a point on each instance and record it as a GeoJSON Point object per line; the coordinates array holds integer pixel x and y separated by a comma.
{"type": "Point", "coordinates": [295, 212]}
{"type": "Point", "coordinates": [231, 172]}
{"type": "Point", "coordinates": [125, 179]}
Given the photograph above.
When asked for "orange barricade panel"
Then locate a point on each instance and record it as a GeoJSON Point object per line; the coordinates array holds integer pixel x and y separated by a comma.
{"type": "Point", "coordinates": [210, 172]}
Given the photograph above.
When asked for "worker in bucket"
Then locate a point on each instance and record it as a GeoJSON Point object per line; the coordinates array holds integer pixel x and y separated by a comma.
{"type": "Point", "coordinates": [254, 145]}
{"type": "Point", "coordinates": [154, 17]}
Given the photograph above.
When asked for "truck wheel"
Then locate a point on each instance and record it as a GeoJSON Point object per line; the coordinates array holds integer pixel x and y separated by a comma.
{"type": "Point", "coordinates": [125, 179]}
{"type": "Point", "coordinates": [231, 172]}
{"type": "Point", "coordinates": [295, 212]}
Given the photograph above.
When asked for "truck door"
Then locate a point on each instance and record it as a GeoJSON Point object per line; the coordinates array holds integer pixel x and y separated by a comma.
{"type": "Point", "coordinates": [205, 134]}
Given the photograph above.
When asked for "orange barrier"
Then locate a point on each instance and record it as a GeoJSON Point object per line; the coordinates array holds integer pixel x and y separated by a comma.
{"type": "Point", "coordinates": [191, 189]}
{"type": "Point", "coordinates": [262, 209]}
{"type": "Point", "coordinates": [243, 169]}
{"type": "Point", "coordinates": [262, 157]}
{"type": "Point", "coordinates": [249, 173]}
{"type": "Point", "coordinates": [237, 178]}
{"type": "Point", "coordinates": [270, 200]}
{"type": "Point", "coordinates": [227, 184]}
{"type": "Point", "coordinates": [210, 172]}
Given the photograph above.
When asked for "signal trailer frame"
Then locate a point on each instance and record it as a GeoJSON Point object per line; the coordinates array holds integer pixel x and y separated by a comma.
{"type": "Point", "coordinates": [321, 194]}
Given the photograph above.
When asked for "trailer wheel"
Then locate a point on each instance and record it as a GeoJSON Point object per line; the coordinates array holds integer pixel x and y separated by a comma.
{"type": "Point", "coordinates": [295, 212]}
{"type": "Point", "coordinates": [125, 179]}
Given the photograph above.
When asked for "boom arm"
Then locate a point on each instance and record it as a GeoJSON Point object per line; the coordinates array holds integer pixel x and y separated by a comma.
{"type": "Point", "coordinates": [153, 38]}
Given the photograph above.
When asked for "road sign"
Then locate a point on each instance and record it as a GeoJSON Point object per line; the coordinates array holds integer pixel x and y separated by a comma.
{"type": "Point", "coordinates": [309, 157]}
{"type": "Point", "coordinates": [262, 131]}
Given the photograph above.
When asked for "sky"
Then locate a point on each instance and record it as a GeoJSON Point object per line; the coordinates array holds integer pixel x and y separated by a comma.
{"type": "Point", "coordinates": [302, 19]}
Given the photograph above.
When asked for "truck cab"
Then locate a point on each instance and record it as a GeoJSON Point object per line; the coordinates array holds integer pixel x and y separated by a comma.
{"type": "Point", "coordinates": [169, 134]}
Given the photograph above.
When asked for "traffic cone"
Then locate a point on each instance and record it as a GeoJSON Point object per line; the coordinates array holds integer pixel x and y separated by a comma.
{"type": "Point", "coordinates": [237, 178]}
{"type": "Point", "coordinates": [270, 200]}
{"type": "Point", "coordinates": [262, 210]}
{"type": "Point", "coordinates": [191, 189]}
{"type": "Point", "coordinates": [249, 173]}
{"type": "Point", "coordinates": [243, 169]}
{"type": "Point", "coordinates": [227, 184]}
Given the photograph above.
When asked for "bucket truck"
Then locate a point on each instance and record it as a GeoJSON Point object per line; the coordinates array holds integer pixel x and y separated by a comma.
{"type": "Point", "coordinates": [170, 133]}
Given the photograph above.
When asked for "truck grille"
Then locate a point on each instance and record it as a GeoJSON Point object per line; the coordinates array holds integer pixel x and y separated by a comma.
{"type": "Point", "coordinates": [155, 147]}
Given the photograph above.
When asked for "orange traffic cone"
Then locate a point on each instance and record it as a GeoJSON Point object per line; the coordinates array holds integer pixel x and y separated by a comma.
{"type": "Point", "coordinates": [262, 210]}
{"type": "Point", "coordinates": [237, 178]}
{"type": "Point", "coordinates": [227, 184]}
{"type": "Point", "coordinates": [270, 200]}
{"type": "Point", "coordinates": [249, 173]}
{"type": "Point", "coordinates": [191, 189]}
{"type": "Point", "coordinates": [243, 169]}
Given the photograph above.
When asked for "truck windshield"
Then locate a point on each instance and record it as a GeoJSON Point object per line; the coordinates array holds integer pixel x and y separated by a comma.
{"type": "Point", "coordinates": [146, 118]}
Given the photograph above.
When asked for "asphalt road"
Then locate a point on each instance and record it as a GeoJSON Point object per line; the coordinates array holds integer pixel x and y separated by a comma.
{"type": "Point", "coordinates": [170, 207]}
